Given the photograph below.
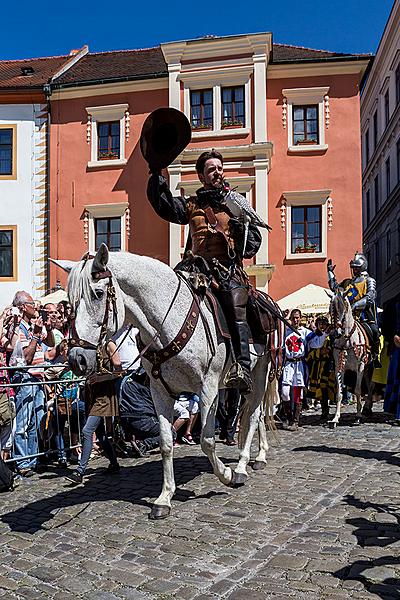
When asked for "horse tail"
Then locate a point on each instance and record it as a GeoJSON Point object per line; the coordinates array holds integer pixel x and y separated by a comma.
{"type": "Point", "coordinates": [270, 400]}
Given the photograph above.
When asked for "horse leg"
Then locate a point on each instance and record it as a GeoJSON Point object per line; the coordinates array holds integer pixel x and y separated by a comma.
{"type": "Point", "coordinates": [357, 391]}
{"type": "Point", "coordinates": [250, 420]}
{"type": "Point", "coordinates": [164, 408]}
{"type": "Point", "coordinates": [208, 409]}
{"type": "Point", "coordinates": [260, 461]}
{"type": "Point", "coordinates": [339, 396]}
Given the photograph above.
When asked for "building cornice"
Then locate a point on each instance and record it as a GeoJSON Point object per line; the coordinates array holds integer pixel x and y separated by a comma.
{"type": "Point", "coordinates": [121, 87]}
{"type": "Point", "coordinates": [302, 69]}
{"type": "Point", "coordinates": [261, 150]}
{"type": "Point", "coordinates": [213, 47]}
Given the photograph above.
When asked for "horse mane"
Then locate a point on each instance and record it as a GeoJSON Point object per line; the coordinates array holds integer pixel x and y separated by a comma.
{"type": "Point", "coordinates": [80, 283]}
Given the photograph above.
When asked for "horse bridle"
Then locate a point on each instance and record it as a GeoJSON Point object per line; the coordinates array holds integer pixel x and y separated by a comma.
{"type": "Point", "coordinates": [111, 304]}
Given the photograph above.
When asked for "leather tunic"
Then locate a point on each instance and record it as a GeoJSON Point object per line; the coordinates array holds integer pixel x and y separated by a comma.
{"type": "Point", "coordinates": [206, 240]}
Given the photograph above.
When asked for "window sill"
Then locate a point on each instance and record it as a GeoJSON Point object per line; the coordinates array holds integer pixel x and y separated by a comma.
{"type": "Point", "coordinates": [211, 133]}
{"type": "Point", "coordinates": [98, 164]}
{"type": "Point", "coordinates": [306, 256]}
{"type": "Point", "coordinates": [308, 148]}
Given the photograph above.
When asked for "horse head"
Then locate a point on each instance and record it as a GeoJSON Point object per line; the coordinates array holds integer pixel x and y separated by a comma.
{"type": "Point", "coordinates": [98, 306]}
{"type": "Point", "coordinates": [339, 310]}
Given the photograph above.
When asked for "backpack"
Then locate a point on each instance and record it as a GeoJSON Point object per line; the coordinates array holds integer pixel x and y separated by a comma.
{"type": "Point", "coordinates": [6, 477]}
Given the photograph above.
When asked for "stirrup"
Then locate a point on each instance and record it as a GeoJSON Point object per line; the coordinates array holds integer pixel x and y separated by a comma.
{"type": "Point", "coordinates": [238, 378]}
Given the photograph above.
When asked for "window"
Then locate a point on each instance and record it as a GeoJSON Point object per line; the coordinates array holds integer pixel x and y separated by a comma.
{"type": "Point", "coordinates": [388, 251]}
{"type": "Point", "coordinates": [107, 131]}
{"type": "Point", "coordinates": [233, 107]}
{"type": "Point", "coordinates": [387, 172]}
{"type": "Point", "coordinates": [398, 160]}
{"type": "Point", "coordinates": [306, 224]}
{"type": "Point", "coordinates": [108, 231]}
{"type": "Point", "coordinates": [375, 129]}
{"type": "Point", "coordinates": [306, 111]}
{"type": "Point", "coordinates": [8, 253]}
{"type": "Point", "coordinates": [8, 153]}
{"type": "Point", "coordinates": [201, 104]}
{"type": "Point", "coordinates": [305, 125]}
{"type": "Point", "coordinates": [377, 261]}
{"type": "Point", "coordinates": [306, 229]}
{"type": "Point", "coordinates": [397, 77]}
{"type": "Point", "coordinates": [108, 140]}
{"type": "Point", "coordinates": [366, 147]}
{"type": "Point", "coordinates": [376, 194]}
{"type": "Point", "coordinates": [368, 207]}
{"type": "Point", "coordinates": [386, 107]}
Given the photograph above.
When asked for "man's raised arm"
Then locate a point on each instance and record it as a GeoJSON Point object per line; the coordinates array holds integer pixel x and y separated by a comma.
{"type": "Point", "coordinates": [168, 207]}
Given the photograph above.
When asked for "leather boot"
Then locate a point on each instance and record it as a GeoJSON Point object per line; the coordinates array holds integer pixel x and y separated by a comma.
{"type": "Point", "coordinates": [234, 302]}
{"type": "Point", "coordinates": [296, 418]}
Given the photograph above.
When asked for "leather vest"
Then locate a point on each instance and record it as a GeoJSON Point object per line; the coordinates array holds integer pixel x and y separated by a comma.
{"type": "Point", "coordinates": [206, 241]}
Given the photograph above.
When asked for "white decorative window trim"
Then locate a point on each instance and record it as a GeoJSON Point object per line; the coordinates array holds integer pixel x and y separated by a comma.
{"type": "Point", "coordinates": [306, 198]}
{"type": "Point", "coordinates": [103, 211]}
{"type": "Point", "coordinates": [101, 114]}
{"type": "Point", "coordinates": [199, 83]}
{"type": "Point", "coordinates": [300, 97]}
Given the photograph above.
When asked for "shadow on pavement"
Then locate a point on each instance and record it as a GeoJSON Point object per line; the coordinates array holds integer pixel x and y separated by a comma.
{"type": "Point", "coordinates": [382, 455]}
{"type": "Point", "coordinates": [133, 484]}
{"type": "Point", "coordinates": [376, 574]}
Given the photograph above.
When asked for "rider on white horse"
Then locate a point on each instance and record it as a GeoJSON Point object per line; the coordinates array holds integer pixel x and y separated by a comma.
{"type": "Point", "coordinates": [360, 290]}
{"type": "Point", "coordinates": [218, 243]}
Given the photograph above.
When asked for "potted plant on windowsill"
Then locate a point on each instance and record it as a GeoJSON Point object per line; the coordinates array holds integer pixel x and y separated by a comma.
{"type": "Point", "coordinates": [231, 124]}
{"type": "Point", "coordinates": [202, 127]}
{"type": "Point", "coordinates": [304, 142]}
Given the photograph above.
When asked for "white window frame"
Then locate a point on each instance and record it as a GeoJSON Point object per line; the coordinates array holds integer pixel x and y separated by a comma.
{"type": "Point", "coordinates": [301, 97]}
{"type": "Point", "coordinates": [307, 198]}
{"type": "Point", "coordinates": [106, 211]}
{"type": "Point", "coordinates": [216, 80]}
{"type": "Point", "coordinates": [101, 114]}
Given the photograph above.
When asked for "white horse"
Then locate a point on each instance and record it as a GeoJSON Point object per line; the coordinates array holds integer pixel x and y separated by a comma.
{"type": "Point", "coordinates": [149, 295]}
{"type": "Point", "coordinates": [350, 353]}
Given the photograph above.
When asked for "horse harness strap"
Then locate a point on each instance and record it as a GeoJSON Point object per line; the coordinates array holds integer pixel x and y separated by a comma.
{"type": "Point", "coordinates": [111, 302]}
{"type": "Point", "coordinates": [158, 357]}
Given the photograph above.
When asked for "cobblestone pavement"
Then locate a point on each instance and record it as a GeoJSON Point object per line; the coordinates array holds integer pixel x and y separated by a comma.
{"type": "Point", "coordinates": [321, 521]}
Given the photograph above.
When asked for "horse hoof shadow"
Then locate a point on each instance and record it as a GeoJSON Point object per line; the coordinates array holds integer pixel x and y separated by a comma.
{"type": "Point", "coordinates": [258, 465]}
{"type": "Point", "coordinates": [158, 512]}
{"type": "Point", "coordinates": [238, 480]}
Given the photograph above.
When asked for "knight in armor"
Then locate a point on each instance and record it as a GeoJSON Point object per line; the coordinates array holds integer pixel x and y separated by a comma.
{"type": "Point", "coordinates": [360, 290]}
{"type": "Point", "coordinates": [217, 244]}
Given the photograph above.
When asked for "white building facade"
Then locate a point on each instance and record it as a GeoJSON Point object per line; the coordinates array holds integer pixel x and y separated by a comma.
{"type": "Point", "coordinates": [23, 219]}
{"type": "Point", "coordinates": [380, 129]}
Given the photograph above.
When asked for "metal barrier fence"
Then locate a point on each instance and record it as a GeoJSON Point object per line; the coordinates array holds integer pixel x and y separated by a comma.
{"type": "Point", "coordinates": [40, 417]}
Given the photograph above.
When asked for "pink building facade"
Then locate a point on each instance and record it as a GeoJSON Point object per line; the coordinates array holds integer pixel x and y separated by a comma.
{"type": "Point", "coordinates": [286, 120]}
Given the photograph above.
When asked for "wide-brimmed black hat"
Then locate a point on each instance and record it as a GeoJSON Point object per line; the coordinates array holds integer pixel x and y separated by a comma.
{"type": "Point", "coordinates": [165, 133]}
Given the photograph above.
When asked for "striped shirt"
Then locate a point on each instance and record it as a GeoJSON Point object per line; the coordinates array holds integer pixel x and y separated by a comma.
{"type": "Point", "coordinates": [25, 336]}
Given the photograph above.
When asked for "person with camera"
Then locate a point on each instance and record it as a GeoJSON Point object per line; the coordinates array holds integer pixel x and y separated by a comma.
{"type": "Point", "coordinates": [32, 334]}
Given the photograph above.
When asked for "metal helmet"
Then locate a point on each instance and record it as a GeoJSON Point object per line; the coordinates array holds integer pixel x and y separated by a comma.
{"type": "Point", "coordinates": [359, 262]}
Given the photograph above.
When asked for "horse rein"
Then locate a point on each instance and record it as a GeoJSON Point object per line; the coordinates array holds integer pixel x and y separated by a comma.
{"type": "Point", "coordinates": [111, 304]}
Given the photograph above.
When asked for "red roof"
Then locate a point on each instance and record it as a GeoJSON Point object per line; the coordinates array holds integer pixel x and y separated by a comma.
{"type": "Point", "coordinates": [120, 65]}
{"type": "Point", "coordinates": [12, 75]}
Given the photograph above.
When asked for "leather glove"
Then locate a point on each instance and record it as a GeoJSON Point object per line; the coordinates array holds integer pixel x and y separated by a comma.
{"type": "Point", "coordinates": [330, 267]}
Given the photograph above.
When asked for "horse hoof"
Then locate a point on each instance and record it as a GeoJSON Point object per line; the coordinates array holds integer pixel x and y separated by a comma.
{"type": "Point", "coordinates": [332, 424]}
{"type": "Point", "coordinates": [238, 479]}
{"type": "Point", "coordinates": [158, 512]}
{"type": "Point", "coordinates": [357, 422]}
{"type": "Point", "coordinates": [259, 465]}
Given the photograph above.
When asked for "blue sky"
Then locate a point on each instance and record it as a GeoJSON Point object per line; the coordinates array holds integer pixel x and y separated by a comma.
{"type": "Point", "coordinates": [43, 29]}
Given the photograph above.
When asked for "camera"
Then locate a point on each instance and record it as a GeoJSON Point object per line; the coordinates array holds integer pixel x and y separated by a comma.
{"type": "Point", "coordinates": [44, 315]}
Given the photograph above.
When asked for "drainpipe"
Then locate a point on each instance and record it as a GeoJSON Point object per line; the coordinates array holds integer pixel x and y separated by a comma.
{"type": "Point", "coordinates": [47, 91]}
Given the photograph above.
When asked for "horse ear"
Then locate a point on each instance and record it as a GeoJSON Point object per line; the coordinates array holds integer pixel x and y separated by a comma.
{"type": "Point", "coordinates": [100, 261]}
{"type": "Point", "coordinates": [66, 265]}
